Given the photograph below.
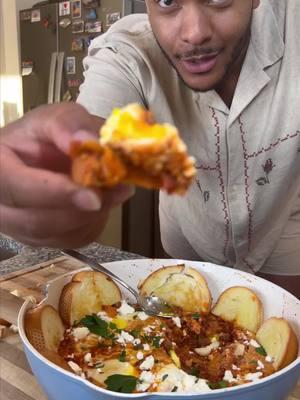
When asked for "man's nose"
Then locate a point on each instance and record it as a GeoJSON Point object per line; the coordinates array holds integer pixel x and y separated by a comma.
{"type": "Point", "coordinates": [196, 27]}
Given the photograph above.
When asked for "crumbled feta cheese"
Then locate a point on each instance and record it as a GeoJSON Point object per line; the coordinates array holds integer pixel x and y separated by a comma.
{"type": "Point", "coordinates": [147, 363]}
{"type": "Point", "coordinates": [269, 358]}
{"type": "Point", "coordinates": [142, 316]}
{"type": "Point", "coordinates": [229, 377]}
{"type": "Point", "coordinates": [83, 375]}
{"type": "Point", "coordinates": [146, 346]}
{"type": "Point", "coordinates": [170, 376]}
{"type": "Point", "coordinates": [87, 358]}
{"type": "Point", "coordinates": [139, 355]}
{"type": "Point", "coordinates": [136, 342]}
{"type": "Point", "coordinates": [254, 343]}
{"type": "Point", "coordinates": [177, 321]}
{"type": "Point", "coordinates": [75, 367]}
{"type": "Point", "coordinates": [260, 365]}
{"type": "Point", "coordinates": [103, 315]}
{"type": "Point", "coordinates": [235, 368]}
{"type": "Point", "coordinates": [125, 308]}
{"type": "Point", "coordinates": [125, 337]}
{"type": "Point", "coordinates": [253, 376]}
{"type": "Point", "coordinates": [80, 333]}
{"type": "Point", "coordinates": [145, 380]}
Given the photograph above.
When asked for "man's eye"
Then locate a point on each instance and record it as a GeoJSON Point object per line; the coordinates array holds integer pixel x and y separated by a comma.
{"type": "Point", "coordinates": [165, 3]}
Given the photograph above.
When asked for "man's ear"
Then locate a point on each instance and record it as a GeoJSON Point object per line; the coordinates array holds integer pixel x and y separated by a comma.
{"type": "Point", "coordinates": [255, 4]}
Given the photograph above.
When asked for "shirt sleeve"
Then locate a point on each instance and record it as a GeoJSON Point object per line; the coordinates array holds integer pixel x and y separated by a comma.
{"type": "Point", "coordinates": [173, 240]}
{"type": "Point", "coordinates": [111, 79]}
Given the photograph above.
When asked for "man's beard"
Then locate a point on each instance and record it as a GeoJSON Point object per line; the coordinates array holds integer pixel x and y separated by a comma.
{"type": "Point", "coordinates": [235, 62]}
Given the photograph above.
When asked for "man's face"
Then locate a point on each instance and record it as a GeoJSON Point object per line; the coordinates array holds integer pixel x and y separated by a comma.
{"type": "Point", "coordinates": [205, 40]}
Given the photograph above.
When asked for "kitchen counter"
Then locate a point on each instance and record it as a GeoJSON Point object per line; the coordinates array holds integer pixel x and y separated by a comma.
{"type": "Point", "coordinates": [21, 256]}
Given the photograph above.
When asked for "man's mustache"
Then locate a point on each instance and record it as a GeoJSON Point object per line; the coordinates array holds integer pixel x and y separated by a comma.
{"type": "Point", "coordinates": [197, 52]}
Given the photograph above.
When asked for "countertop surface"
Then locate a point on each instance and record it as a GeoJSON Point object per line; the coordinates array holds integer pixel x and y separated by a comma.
{"type": "Point", "coordinates": [26, 256]}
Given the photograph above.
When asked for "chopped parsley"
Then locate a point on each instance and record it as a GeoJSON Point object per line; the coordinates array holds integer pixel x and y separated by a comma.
{"type": "Point", "coordinates": [96, 325]}
{"type": "Point", "coordinates": [196, 315]}
{"type": "Point", "coordinates": [260, 350]}
{"type": "Point", "coordinates": [99, 364]}
{"type": "Point", "coordinates": [164, 377]}
{"type": "Point", "coordinates": [135, 333]}
{"type": "Point", "coordinates": [218, 385]}
{"type": "Point", "coordinates": [121, 383]}
{"type": "Point", "coordinates": [156, 341]}
{"type": "Point", "coordinates": [122, 356]}
{"type": "Point", "coordinates": [174, 389]}
{"type": "Point", "coordinates": [194, 371]}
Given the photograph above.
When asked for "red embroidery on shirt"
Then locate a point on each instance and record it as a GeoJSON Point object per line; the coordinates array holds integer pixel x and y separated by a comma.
{"type": "Point", "coordinates": [221, 181]}
{"type": "Point", "coordinates": [247, 186]}
{"type": "Point", "coordinates": [206, 167]}
{"type": "Point", "coordinates": [272, 145]}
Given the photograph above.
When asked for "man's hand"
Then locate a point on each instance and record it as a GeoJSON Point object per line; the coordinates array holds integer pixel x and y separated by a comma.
{"type": "Point", "coordinates": [39, 204]}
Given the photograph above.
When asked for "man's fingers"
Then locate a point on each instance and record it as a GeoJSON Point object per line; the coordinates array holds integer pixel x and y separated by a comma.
{"type": "Point", "coordinates": [42, 224]}
{"type": "Point", "coordinates": [23, 186]}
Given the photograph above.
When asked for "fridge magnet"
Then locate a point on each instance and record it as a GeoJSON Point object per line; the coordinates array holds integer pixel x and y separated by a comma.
{"type": "Point", "coordinates": [65, 22]}
{"type": "Point", "coordinates": [76, 8]}
{"type": "Point", "coordinates": [78, 26]}
{"type": "Point", "coordinates": [25, 15]}
{"type": "Point", "coordinates": [70, 66]}
{"type": "Point", "coordinates": [73, 83]}
{"type": "Point", "coordinates": [27, 68]}
{"type": "Point", "coordinates": [91, 14]}
{"type": "Point", "coordinates": [64, 8]}
{"type": "Point", "coordinates": [91, 3]}
{"type": "Point", "coordinates": [77, 44]}
{"type": "Point", "coordinates": [112, 18]}
{"type": "Point", "coordinates": [36, 15]}
{"type": "Point", "coordinates": [93, 27]}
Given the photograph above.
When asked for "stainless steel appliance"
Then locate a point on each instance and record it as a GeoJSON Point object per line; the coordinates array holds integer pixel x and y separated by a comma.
{"type": "Point", "coordinates": [53, 45]}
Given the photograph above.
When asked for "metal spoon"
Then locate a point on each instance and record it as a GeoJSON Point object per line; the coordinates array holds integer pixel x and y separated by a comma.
{"type": "Point", "coordinates": [152, 305]}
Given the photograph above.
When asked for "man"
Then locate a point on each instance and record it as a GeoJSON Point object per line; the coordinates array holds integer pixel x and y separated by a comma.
{"type": "Point", "coordinates": [39, 203]}
{"type": "Point", "coordinates": [226, 73]}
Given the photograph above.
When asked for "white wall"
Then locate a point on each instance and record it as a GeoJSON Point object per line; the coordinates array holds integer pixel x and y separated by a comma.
{"type": "Point", "coordinates": [11, 106]}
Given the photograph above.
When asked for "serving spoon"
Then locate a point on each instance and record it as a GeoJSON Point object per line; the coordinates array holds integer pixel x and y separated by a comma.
{"type": "Point", "coordinates": [151, 305]}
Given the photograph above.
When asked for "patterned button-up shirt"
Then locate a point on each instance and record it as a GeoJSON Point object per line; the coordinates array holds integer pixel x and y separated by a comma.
{"type": "Point", "coordinates": [245, 198]}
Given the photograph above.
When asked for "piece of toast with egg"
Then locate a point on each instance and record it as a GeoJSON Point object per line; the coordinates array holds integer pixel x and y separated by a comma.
{"type": "Point", "coordinates": [133, 149]}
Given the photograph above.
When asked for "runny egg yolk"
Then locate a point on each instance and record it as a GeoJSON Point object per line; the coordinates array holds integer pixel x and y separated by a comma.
{"type": "Point", "coordinates": [131, 123]}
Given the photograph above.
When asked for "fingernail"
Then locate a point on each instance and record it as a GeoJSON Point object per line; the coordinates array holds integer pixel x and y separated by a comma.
{"type": "Point", "coordinates": [86, 200]}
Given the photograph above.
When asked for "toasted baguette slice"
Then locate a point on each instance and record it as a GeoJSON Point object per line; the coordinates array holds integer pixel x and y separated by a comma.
{"type": "Point", "coordinates": [86, 294]}
{"type": "Point", "coordinates": [279, 340]}
{"type": "Point", "coordinates": [180, 287]}
{"type": "Point", "coordinates": [133, 149]}
{"type": "Point", "coordinates": [241, 305]}
{"type": "Point", "coordinates": [56, 359]}
{"type": "Point", "coordinates": [44, 328]}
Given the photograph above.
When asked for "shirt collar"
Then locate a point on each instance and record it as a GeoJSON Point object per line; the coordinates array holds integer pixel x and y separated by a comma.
{"type": "Point", "coordinates": [266, 47]}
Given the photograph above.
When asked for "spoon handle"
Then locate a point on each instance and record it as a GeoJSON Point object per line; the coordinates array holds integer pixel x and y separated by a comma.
{"type": "Point", "coordinates": [97, 266]}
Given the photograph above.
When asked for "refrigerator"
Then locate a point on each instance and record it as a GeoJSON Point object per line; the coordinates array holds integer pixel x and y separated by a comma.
{"type": "Point", "coordinates": [54, 38]}
{"type": "Point", "coordinates": [53, 45]}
